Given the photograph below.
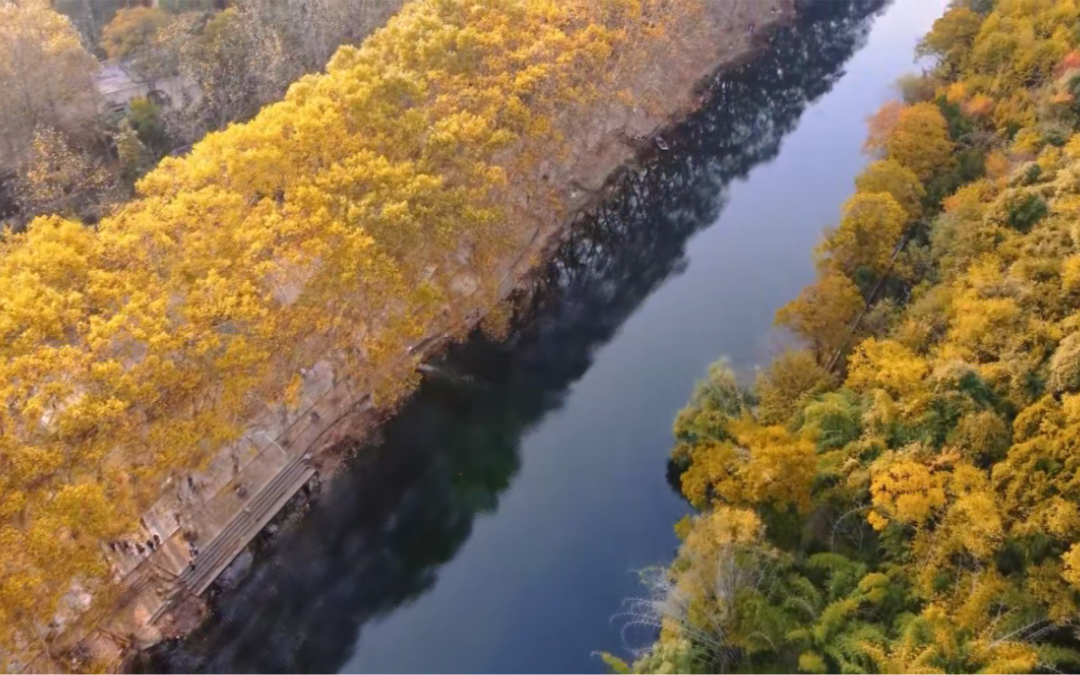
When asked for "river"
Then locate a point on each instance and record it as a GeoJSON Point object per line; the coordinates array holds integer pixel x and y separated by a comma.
{"type": "Point", "coordinates": [498, 523]}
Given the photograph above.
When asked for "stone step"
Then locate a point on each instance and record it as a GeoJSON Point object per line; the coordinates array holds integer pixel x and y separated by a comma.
{"type": "Point", "coordinates": [244, 526]}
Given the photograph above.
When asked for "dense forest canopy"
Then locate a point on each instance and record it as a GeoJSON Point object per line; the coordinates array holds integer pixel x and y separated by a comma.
{"type": "Point", "coordinates": [372, 206]}
{"type": "Point", "coordinates": [903, 494]}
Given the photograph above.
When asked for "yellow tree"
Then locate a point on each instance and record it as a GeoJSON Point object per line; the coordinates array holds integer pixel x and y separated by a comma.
{"type": "Point", "coordinates": [760, 465]}
{"type": "Point", "coordinates": [57, 177]}
{"type": "Point", "coordinates": [897, 180]}
{"type": "Point", "coordinates": [1020, 42]}
{"type": "Point", "coordinates": [137, 38]}
{"type": "Point", "coordinates": [951, 38]}
{"type": "Point", "coordinates": [890, 366]}
{"type": "Point", "coordinates": [920, 141]}
{"type": "Point", "coordinates": [132, 31]}
{"type": "Point", "coordinates": [823, 312]}
{"type": "Point", "coordinates": [46, 76]}
{"type": "Point", "coordinates": [905, 490]}
{"type": "Point", "coordinates": [880, 127]}
{"type": "Point", "coordinates": [782, 386]}
{"type": "Point", "coordinates": [869, 231]}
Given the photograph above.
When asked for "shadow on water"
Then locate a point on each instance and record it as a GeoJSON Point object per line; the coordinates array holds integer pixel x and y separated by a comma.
{"type": "Point", "coordinates": [376, 539]}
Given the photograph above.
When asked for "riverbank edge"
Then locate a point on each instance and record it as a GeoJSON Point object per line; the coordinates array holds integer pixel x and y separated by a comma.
{"type": "Point", "coordinates": [334, 418]}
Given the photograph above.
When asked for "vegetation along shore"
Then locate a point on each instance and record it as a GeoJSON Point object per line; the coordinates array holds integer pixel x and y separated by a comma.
{"type": "Point", "coordinates": [903, 493]}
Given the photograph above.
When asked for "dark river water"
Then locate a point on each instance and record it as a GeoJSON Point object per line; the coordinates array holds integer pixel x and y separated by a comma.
{"type": "Point", "coordinates": [499, 523]}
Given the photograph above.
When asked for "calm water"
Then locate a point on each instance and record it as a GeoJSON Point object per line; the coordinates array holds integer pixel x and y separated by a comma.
{"type": "Point", "coordinates": [498, 524]}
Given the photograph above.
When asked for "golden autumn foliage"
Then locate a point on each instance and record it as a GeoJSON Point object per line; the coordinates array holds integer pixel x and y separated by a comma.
{"type": "Point", "coordinates": [788, 378]}
{"type": "Point", "coordinates": [46, 76]}
{"type": "Point", "coordinates": [950, 40]}
{"type": "Point", "coordinates": [368, 209]}
{"type": "Point", "coordinates": [870, 228]}
{"type": "Point", "coordinates": [895, 179]}
{"type": "Point", "coordinates": [57, 177]}
{"type": "Point", "coordinates": [881, 126]}
{"type": "Point", "coordinates": [941, 527]}
{"type": "Point", "coordinates": [823, 313]}
{"type": "Point", "coordinates": [889, 367]}
{"type": "Point", "coordinates": [758, 464]}
{"type": "Point", "coordinates": [132, 29]}
{"type": "Point", "coordinates": [920, 140]}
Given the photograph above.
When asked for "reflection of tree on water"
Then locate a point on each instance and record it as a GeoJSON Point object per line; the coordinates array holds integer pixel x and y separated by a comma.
{"type": "Point", "coordinates": [616, 256]}
{"type": "Point", "coordinates": [379, 536]}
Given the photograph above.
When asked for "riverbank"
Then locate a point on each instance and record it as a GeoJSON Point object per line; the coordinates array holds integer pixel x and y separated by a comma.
{"type": "Point", "coordinates": [333, 413]}
{"type": "Point", "coordinates": [498, 517]}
